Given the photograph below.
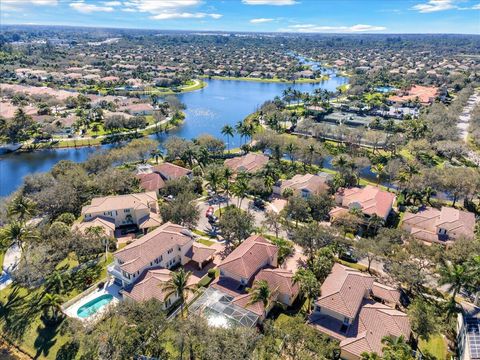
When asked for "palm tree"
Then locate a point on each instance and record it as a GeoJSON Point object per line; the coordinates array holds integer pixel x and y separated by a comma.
{"type": "Point", "coordinates": [240, 188]}
{"type": "Point", "coordinates": [214, 180]}
{"type": "Point", "coordinates": [370, 356]}
{"type": "Point", "coordinates": [261, 292]}
{"type": "Point", "coordinates": [16, 233]}
{"type": "Point", "coordinates": [178, 285]}
{"type": "Point", "coordinates": [56, 282]}
{"type": "Point", "coordinates": [52, 305]}
{"type": "Point", "coordinates": [396, 348]}
{"type": "Point", "coordinates": [21, 207]}
{"type": "Point", "coordinates": [240, 128]}
{"type": "Point", "coordinates": [378, 170]}
{"type": "Point", "coordinates": [374, 222]}
{"type": "Point", "coordinates": [228, 132]}
{"type": "Point", "coordinates": [156, 154]}
{"type": "Point", "coordinates": [227, 174]}
{"type": "Point", "coordinates": [456, 277]}
{"type": "Point", "coordinates": [290, 149]}
{"type": "Point", "coordinates": [309, 285]}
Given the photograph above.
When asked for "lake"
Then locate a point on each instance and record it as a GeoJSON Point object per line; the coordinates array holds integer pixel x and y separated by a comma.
{"type": "Point", "coordinates": [221, 102]}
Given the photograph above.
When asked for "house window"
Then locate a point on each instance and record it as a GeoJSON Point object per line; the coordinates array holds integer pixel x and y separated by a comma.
{"type": "Point", "coordinates": [126, 210]}
{"type": "Point", "coordinates": [442, 231]}
{"type": "Point", "coordinates": [346, 320]}
{"type": "Point", "coordinates": [169, 251]}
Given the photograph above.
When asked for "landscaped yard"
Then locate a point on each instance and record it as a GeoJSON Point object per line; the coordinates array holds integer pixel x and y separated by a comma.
{"type": "Point", "coordinates": [21, 320]}
{"type": "Point", "coordinates": [436, 346]}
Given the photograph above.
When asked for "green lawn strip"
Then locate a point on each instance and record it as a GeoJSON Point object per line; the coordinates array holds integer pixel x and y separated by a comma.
{"type": "Point", "coordinates": [206, 242]}
{"type": "Point", "coordinates": [436, 346]}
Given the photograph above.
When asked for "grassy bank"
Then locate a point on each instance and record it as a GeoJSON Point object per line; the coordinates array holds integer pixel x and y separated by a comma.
{"type": "Point", "coordinates": [273, 80]}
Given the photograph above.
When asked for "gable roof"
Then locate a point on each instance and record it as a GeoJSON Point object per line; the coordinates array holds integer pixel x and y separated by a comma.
{"type": "Point", "coordinates": [310, 182]}
{"type": "Point", "coordinates": [344, 289]}
{"type": "Point", "coordinates": [148, 286]}
{"type": "Point", "coordinates": [140, 253]}
{"type": "Point", "coordinates": [279, 279]}
{"type": "Point", "coordinates": [425, 223]}
{"type": "Point", "coordinates": [107, 225]}
{"type": "Point", "coordinates": [118, 202]}
{"type": "Point", "coordinates": [200, 252]}
{"type": "Point", "coordinates": [171, 171]}
{"type": "Point", "coordinates": [151, 182]}
{"type": "Point", "coordinates": [249, 257]}
{"type": "Point", "coordinates": [250, 162]}
{"type": "Point", "coordinates": [386, 293]}
{"type": "Point", "coordinates": [374, 322]}
{"type": "Point", "coordinates": [371, 199]}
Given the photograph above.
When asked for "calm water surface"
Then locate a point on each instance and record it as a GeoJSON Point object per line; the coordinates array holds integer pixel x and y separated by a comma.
{"type": "Point", "coordinates": [208, 110]}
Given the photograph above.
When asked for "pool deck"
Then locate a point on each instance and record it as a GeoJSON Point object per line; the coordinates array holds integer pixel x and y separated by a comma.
{"type": "Point", "coordinates": [109, 288]}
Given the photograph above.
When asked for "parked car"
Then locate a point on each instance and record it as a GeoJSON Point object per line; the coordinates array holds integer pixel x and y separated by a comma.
{"type": "Point", "coordinates": [212, 219]}
{"type": "Point", "coordinates": [259, 203]}
{"type": "Point", "coordinates": [349, 255]}
{"type": "Point", "coordinates": [209, 211]}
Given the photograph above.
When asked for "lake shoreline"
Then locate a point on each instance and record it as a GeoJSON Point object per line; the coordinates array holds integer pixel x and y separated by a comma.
{"type": "Point", "coordinates": [274, 80]}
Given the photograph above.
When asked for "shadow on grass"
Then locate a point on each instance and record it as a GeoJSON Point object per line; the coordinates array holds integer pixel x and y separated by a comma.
{"type": "Point", "coordinates": [19, 311]}
{"type": "Point", "coordinates": [47, 332]}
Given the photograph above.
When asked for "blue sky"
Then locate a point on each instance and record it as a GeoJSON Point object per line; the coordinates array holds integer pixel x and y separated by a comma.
{"type": "Point", "coordinates": [324, 16]}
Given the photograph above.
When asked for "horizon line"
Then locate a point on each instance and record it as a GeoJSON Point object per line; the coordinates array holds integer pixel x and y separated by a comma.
{"type": "Point", "coordinates": [236, 31]}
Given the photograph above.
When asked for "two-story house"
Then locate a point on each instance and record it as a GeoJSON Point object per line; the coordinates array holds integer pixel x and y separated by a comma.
{"type": "Point", "coordinates": [357, 311]}
{"type": "Point", "coordinates": [369, 199]}
{"type": "Point", "coordinates": [255, 259]}
{"type": "Point", "coordinates": [303, 185]}
{"type": "Point", "coordinates": [141, 267]}
{"type": "Point", "coordinates": [439, 226]}
{"type": "Point", "coordinates": [153, 178]}
{"type": "Point", "coordinates": [122, 210]}
{"type": "Point", "coordinates": [250, 163]}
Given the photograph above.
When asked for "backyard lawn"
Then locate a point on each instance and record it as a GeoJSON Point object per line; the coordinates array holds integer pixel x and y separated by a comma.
{"type": "Point", "coordinates": [21, 320]}
{"type": "Point", "coordinates": [436, 346]}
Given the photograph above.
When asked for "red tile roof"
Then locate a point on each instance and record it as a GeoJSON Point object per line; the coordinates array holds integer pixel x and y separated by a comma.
{"type": "Point", "coordinates": [371, 200]}
{"type": "Point", "coordinates": [140, 253]}
{"type": "Point", "coordinates": [251, 162]}
{"type": "Point", "coordinates": [171, 171]}
{"type": "Point", "coordinates": [149, 286]}
{"type": "Point", "coordinates": [151, 182]}
{"type": "Point", "coordinates": [279, 279]}
{"type": "Point", "coordinates": [249, 257]}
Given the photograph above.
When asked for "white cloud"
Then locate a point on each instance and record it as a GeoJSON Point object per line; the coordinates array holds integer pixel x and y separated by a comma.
{"type": "Point", "coordinates": [270, 2]}
{"type": "Point", "coordinates": [476, 7]}
{"type": "Point", "coordinates": [86, 8]}
{"type": "Point", "coordinates": [184, 15]}
{"type": "Point", "coordinates": [16, 4]}
{"type": "Point", "coordinates": [168, 9]}
{"type": "Point", "coordinates": [112, 3]}
{"type": "Point", "coordinates": [260, 20]}
{"type": "Point", "coordinates": [436, 5]}
{"type": "Point", "coordinates": [311, 28]}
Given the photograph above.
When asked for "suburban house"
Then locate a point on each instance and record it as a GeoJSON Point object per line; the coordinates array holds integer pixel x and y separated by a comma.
{"type": "Point", "coordinates": [170, 171]}
{"type": "Point", "coordinates": [358, 312]}
{"type": "Point", "coordinates": [165, 247]}
{"type": "Point", "coordinates": [251, 163]}
{"type": "Point", "coordinates": [439, 226]}
{"type": "Point", "coordinates": [153, 178]}
{"type": "Point", "coordinates": [369, 199]}
{"type": "Point", "coordinates": [424, 94]}
{"type": "Point", "coordinates": [468, 332]}
{"type": "Point", "coordinates": [123, 210]}
{"type": "Point", "coordinates": [303, 185]}
{"type": "Point", "coordinates": [254, 259]}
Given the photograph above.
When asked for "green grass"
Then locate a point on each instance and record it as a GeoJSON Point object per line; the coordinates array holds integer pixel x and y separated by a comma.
{"type": "Point", "coordinates": [205, 242]}
{"type": "Point", "coordinates": [436, 346]}
{"type": "Point", "coordinates": [21, 321]}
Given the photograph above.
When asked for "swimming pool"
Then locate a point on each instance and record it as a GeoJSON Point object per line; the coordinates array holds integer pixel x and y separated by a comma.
{"type": "Point", "coordinates": [93, 306]}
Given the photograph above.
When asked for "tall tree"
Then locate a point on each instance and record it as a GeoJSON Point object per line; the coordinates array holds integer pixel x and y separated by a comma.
{"type": "Point", "coordinates": [261, 293]}
{"type": "Point", "coordinates": [179, 285]}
